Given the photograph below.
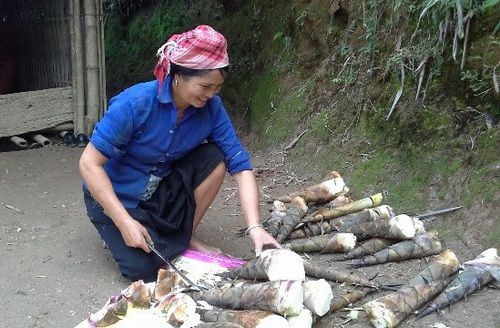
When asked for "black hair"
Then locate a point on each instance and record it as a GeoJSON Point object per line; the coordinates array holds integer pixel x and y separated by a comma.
{"type": "Point", "coordinates": [190, 72]}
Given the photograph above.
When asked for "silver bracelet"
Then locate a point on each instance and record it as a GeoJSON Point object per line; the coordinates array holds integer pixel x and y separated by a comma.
{"type": "Point", "coordinates": [252, 227]}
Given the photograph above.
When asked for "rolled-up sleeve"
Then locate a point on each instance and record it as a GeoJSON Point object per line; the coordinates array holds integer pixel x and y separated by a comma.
{"type": "Point", "coordinates": [115, 129]}
{"type": "Point", "coordinates": [224, 136]}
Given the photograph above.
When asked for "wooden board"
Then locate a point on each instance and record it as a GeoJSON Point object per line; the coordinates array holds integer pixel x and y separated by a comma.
{"type": "Point", "coordinates": [25, 112]}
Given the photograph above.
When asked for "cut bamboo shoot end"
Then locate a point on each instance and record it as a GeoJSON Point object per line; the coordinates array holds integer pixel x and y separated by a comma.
{"type": "Point", "coordinates": [282, 264]}
{"type": "Point", "coordinates": [380, 316]}
{"type": "Point", "coordinates": [447, 257]}
{"type": "Point", "coordinates": [279, 206]}
{"type": "Point", "coordinates": [419, 226]}
{"type": "Point", "coordinates": [291, 298]}
{"type": "Point", "coordinates": [138, 293]}
{"type": "Point", "coordinates": [334, 186]}
{"type": "Point", "coordinates": [179, 308]}
{"type": "Point", "coordinates": [383, 212]}
{"type": "Point", "coordinates": [488, 260]}
{"type": "Point", "coordinates": [299, 203]}
{"type": "Point", "coordinates": [317, 296]}
{"type": "Point", "coordinates": [346, 240]}
{"type": "Point", "coordinates": [403, 226]}
{"type": "Point", "coordinates": [303, 320]}
{"type": "Point", "coordinates": [273, 321]}
{"type": "Point", "coordinates": [377, 199]}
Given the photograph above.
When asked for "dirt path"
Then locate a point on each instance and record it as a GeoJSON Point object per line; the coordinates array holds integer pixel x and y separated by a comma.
{"type": "Point", "coordinates": [54, 270]}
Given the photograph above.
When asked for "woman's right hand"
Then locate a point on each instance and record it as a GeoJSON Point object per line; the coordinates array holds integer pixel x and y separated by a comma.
{"type": "Point", "coordinates": [134, 233]}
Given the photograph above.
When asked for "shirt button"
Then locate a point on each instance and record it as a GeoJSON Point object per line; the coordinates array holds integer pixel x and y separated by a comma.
{"type": "Point", "coordinates": [168, 154]}
{"type": "Point", "coordinates": [171, 131]}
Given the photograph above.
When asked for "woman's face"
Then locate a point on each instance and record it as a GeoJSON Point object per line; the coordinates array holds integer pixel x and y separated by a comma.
{"type": "Point", "coordinates": [197, 90]}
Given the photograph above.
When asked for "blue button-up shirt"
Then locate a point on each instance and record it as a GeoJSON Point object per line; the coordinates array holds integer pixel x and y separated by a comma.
{"type": "Point", "coordinates": [140, 135]}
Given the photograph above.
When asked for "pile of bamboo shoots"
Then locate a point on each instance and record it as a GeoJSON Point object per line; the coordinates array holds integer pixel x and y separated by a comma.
{"type": "Point", "coordinates": [282, 289]}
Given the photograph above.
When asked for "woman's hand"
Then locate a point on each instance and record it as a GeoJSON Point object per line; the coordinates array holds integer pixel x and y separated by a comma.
{"type": "Point", "coordinates": [134, 233]}
{"type": "Point", "coordinates": [92, 170]}
{"type": "Point", "coordinates": [261, 238]}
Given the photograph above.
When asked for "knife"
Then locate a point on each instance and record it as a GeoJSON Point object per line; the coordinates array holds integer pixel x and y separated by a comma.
{"type": "Point", "coordinates": [179, 272]}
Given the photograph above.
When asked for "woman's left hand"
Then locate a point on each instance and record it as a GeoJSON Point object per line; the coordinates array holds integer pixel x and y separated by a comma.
{"type": "Point", "coordinates": [261, 238]}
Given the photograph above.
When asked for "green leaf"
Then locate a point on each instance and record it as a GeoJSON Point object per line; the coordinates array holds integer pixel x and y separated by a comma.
{"type": "Point", "coordinates": [277, 35]}
{"type": "Point", "coordinates": [490, 3]}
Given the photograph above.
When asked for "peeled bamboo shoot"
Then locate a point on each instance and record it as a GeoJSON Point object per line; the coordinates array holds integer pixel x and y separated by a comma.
{"type": "Point", "coordinates": [317, 296]}
{"type": "Point", "coordinates": [303, 320]}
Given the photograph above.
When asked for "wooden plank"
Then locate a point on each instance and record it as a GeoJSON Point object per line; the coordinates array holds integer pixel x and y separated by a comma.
{"type": "Point", "coordinates": [25, 112]}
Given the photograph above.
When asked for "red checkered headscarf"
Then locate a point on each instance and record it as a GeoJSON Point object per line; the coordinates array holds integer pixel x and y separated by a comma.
{"type": "Point", "coordinates": [200, 48]}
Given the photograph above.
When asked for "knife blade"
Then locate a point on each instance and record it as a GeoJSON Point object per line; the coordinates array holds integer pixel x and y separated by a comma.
{"type": "Point", "coordinates": [179, 272]}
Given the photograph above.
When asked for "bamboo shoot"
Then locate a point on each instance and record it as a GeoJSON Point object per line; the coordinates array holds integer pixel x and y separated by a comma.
{"type": "Point", "coordinates": [420, 246]}
{"type": "Point", "coordinates": [355, 206]}
{"type": "Point", "coordinates": [471, 278]}
{"type": "Point", "coordinates": [246, 318]}
{"type": "Point", "coordinates": [388, 311]}
{"type": "Point", "coordinates": [281, 297]}
{"type": "Point", "coordinates": [330, 243]}
{"type": "Point", "coordinates": [272, 265]}
{"type": "Point", "coordinates": [368, 247]}
{"type": "Point", "coordinates": [317, 296]}
{"type": "Point", "coordinates": [322, 192]}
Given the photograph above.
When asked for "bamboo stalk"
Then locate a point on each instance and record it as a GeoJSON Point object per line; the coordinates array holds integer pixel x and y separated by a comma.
{"type": "Point", "coordinates": [91, 65]}
{"type": "Point", "coordinates": [18, 141]}
{"type": "Point", "coordinates": [78, 64]}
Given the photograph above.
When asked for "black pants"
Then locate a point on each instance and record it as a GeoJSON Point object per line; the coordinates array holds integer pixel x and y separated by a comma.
{"type": "Point", "coordinates": [168, 215]}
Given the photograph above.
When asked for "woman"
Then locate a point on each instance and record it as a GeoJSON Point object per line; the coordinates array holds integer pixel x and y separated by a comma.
{"type": "Point", "coordinates": [158, 157]}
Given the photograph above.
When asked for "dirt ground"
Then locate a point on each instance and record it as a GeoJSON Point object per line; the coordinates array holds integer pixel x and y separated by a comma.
{"type": "Point", "coordinates": [54, 270]}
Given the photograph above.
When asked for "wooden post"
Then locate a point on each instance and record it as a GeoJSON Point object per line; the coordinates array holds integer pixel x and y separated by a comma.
{"type": "Point", "coordinates": [77, 67]}
{"type": "Point", "coordinates": [91, 64]}
{"type": "Point", "coordinates": [102, 61]}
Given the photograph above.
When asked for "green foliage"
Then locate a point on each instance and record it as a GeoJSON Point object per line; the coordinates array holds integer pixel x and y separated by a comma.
{"type": "Point", "coordinates": [131, 46]}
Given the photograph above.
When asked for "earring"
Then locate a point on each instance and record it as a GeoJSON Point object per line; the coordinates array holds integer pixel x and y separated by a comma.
{"type": "Point", "coordinates": [176, 82]}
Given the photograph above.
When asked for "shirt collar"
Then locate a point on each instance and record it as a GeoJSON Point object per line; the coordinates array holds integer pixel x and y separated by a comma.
{"type": "Point", "coordinates": [165, 93]}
